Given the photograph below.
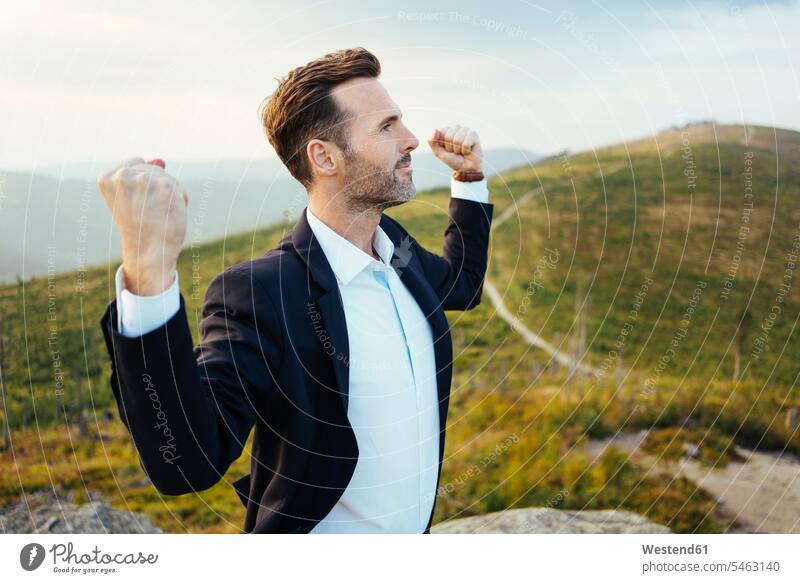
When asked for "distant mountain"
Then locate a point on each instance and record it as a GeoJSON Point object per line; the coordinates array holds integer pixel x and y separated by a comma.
{"type": "Point", "coordinates": [54, 218]}
{"type": "Point", "coordinates": [233, 170]}
{"type": "Point", "coordinates": [428, 170]}
{"type": "Point", "coordinates": [47, 225]}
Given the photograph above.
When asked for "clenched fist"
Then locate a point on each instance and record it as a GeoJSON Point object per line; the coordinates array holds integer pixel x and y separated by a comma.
{"type": "Point", "coordinates": [149, 206]}
{"type": "Point", "coordinates": [458, 147]}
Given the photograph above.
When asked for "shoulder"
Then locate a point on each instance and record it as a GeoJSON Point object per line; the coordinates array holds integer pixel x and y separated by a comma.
{"type": "Point", "coordinates": [255, 279]}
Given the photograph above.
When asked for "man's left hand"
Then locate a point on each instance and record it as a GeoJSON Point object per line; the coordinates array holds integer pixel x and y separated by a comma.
{"type": "Point", "coordinates": [459, 147]}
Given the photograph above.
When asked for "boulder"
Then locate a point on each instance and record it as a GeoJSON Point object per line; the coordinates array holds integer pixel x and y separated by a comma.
{"type": "Point", "coordinates": [551, 521]}
{"type": "Point", "coordinates": [44, 512]}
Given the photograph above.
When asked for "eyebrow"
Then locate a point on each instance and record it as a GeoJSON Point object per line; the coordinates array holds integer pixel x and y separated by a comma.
{"type": "Point", "coordinates": [393, 117]}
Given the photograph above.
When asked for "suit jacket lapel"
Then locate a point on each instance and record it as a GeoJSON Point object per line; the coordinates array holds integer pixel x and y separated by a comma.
{"type": "Point", "coordinates": [334, 326]}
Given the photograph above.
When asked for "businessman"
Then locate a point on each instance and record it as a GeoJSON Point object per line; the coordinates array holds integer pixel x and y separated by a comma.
{"type": "Point", "coordinates": [334, 345]}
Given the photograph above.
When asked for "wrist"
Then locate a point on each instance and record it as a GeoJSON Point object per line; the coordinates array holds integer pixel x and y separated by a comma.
{"type": "Point", "coordinates": [144, 280]}
{"type": "Point", "coordinates": [468, 175]}
{"type": "Point", "coordinates": [475, 191]}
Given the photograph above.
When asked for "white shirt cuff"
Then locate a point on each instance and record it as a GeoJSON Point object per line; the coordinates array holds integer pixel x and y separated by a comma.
{"type": "Point", "coordinates": [477, 191]}
{"type": "Point", "coordinates": [138, 315]}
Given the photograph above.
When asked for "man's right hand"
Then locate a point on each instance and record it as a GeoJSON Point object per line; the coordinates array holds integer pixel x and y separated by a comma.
{"type": "Point", "coordinates": [149, 206]}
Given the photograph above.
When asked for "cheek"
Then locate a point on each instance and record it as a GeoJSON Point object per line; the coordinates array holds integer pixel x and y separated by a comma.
{"type": "Point", "coordinates": [389, 153]}
{"type": "Point", "coordinates": [382, 152]}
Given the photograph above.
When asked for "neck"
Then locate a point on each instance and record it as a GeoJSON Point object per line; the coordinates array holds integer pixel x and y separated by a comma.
{"type": "Point", "coordinates": [357, 227]}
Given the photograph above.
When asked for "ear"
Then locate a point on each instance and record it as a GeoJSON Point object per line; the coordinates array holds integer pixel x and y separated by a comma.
{"type": "Point", "coordinates": [324, 157]}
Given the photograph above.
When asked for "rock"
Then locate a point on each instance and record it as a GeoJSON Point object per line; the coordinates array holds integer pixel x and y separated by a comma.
{"type": "Point", "coordinates": [44, 512]}
{"type": "Point", "coordinates": [549, 520]}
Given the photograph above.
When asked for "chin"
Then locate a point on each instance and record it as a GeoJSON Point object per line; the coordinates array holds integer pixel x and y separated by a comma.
{"type": "Point", "coordinates": [401, 198]}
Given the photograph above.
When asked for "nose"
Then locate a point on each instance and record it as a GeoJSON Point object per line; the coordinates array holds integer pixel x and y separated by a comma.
{"type": "Point", "coordinates": [411, 142]}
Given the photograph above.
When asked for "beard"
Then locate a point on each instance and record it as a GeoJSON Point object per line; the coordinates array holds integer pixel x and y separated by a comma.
{"type": "Point", "coordinates": [369, 187]}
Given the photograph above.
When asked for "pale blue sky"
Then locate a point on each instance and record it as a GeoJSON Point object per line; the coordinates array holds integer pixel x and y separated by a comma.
{"type": "Point", "coordinates": [183, 80]}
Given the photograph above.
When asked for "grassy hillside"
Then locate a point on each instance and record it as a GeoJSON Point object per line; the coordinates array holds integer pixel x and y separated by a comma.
{"type": "Point", "coordinates": [673, 208]}
{"type": "Point", "coordinates": [679, 249]}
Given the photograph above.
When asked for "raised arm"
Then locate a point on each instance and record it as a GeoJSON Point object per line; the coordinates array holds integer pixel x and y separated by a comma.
{"type": "Point", "coordinates": [457, 275]}
{"type": "Point", "coordinates": [189, 409]}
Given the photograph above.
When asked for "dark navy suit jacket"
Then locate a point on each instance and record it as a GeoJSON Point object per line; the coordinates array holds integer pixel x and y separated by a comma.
{"type": "Point", "coordinates": [273, 354]}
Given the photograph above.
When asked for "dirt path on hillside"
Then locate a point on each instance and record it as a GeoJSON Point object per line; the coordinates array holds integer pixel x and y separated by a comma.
{"type": "Point", "coordinates": [761, 492]}
{"type": "Point", "coordinates": [496, 298]}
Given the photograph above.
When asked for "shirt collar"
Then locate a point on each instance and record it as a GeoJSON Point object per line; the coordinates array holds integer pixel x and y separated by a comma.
{"type": "Point", "coordinates": [347, 260]}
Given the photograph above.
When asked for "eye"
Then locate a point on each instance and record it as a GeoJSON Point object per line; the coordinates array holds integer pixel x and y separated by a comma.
{"type": "Point", "coordinates": [384, 128]}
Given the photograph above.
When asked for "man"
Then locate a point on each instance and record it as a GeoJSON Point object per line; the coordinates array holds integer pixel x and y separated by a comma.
{"type": "Point", "coordinates": [333, 345]}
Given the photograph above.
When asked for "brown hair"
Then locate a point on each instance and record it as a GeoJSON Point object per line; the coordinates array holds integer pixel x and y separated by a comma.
{"type": "Point", "coordinates": [302, 108]}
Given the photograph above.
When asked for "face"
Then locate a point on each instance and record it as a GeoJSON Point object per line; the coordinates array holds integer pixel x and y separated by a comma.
{"type": "Point", "coordinates": [377, 165]}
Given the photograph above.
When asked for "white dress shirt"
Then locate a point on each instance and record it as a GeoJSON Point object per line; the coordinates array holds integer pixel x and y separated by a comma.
{"type": "Point", "coordinates": [393, 402]}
